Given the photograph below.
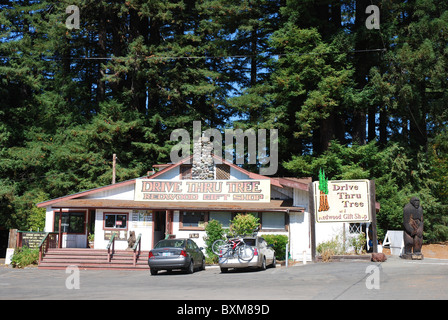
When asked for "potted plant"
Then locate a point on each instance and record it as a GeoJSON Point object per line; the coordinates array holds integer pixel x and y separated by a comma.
{"type": "Point", "coordinates": [91, 239]}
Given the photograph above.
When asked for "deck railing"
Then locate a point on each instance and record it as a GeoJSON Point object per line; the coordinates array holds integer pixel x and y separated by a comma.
{"type": "Point", "coordinates": [138, 244]}
{"type": "Point", "coordinates": [49, 241]}
{"type": "Point", "coordinates": [109, 245]}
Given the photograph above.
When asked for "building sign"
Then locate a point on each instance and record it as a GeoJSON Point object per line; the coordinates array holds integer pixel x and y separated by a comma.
{"type": "Point", "coordinates": [203, 190]}
{"type": "Point", "coordinates": [141, 218]}
{"type": "Point", "coordinates": [342, 201]}
{"type": "Point", "coordinates": [119, 234]}
{"type": "Point", "coordinates": [31, 239]}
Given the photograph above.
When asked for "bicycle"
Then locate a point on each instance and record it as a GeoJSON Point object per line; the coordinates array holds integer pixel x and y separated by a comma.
{"type": "Point", "coordinates": [236, 245]}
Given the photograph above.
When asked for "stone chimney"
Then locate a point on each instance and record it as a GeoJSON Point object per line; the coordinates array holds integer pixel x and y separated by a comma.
{"type": "Point", "coordinates": [203, 169]}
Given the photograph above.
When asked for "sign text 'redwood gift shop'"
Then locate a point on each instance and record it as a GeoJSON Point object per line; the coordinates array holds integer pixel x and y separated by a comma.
{"type": "Point", "coordinates": [194, 190]}
{"type": "Point", "coordinates": [348, 201]}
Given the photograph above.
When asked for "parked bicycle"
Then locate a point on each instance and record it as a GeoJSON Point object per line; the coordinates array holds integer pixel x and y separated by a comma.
{"type": "Point", "coordinates": [234, 245]}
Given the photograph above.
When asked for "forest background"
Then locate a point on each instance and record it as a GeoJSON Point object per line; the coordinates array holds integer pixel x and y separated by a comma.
{"type": "Point", "coordinates": [360, 103]}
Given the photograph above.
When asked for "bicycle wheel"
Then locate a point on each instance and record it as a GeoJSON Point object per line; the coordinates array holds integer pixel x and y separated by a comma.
{"type": "Point", "coordinates": [245, 253]}
{"type": "Point", "coordinates": [219, 246]}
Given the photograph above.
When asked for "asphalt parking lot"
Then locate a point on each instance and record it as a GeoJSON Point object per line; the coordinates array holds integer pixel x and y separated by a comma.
{"type": "Point", "coordinates": [393, 279]}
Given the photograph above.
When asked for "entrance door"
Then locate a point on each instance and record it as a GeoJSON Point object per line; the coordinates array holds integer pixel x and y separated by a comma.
{"type": "Point", "coordinates": [159, 227]}
{"type": "Point", "coordinates": [72, 228]}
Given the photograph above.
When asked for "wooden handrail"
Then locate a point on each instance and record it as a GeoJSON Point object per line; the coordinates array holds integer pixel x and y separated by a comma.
{"type": "Point", "coordinates": [41, 245]}
{"type": "Point", "coordinates": [111, 243]}
{"type": "Point", "coordinates": [44, 245]}
{"type": "Point", "coordinates": [138, 243]}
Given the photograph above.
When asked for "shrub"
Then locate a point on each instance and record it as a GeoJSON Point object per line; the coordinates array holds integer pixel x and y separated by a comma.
{"type": "Point", "coordinates": [329, 248]}
{"type": "Point", "coordinates": [358, 242]}
{"type": "Point", "coordinates": [338, 245]}
{"type": "Point", "coordinates": [279, 242]}
{"type": "Point", "coordinates": [214, 231]}
{"type": "Point", "coordinates": [244, 224]}
{"type": "Point", "coordinates": [25, 256]}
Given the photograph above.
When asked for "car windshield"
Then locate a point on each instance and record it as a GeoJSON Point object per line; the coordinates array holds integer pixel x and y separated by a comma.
{"type": "Point", "coordinates": [170, 244]}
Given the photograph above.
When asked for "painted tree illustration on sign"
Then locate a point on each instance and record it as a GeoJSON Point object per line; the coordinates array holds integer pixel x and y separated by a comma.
{"type": "Point", "coordinates": [323, 187]}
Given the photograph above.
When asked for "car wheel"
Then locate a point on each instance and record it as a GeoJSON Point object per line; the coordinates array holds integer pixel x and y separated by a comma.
{"type": "Point", "coordinates": [203, 264]}
{"type": "Point", "coordinates": [190, 268]}
{"type": "Point", "coordinates": [274, 262]}
{"type": "Point", "coordinates": [153, 271]}
{"type": "Point", "coordinates": [224, 270]}
{"type": "Point", "coordinates": [263, 264]}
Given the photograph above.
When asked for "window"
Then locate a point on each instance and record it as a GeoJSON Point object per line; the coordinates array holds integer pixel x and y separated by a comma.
{"type": "Point", "coordinates": [273, 220]}
{"type": "Point", "coordinates": [115, 221]}
{"type": "Point", "coordinates": [354, 228]}
{"type": "Point", "coordinates": [255, 214]}
{"type": "Point", "coordinates": [223, 217]}
{"type": "Point", "coordinates": [191, 245]}
{"type": "Point", "coordinates": [193, 219]}
{"type": "Point", "coordinates": [71, 222]}
{"type": "Point", "coordinates": [170, 244]}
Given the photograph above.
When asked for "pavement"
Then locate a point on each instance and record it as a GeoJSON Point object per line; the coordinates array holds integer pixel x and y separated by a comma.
{"type": "Point", "coordinates": [394, 279]}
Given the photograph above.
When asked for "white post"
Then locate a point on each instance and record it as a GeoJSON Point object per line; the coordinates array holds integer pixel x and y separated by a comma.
{"type": "Point", "coordinates": [286, 254]}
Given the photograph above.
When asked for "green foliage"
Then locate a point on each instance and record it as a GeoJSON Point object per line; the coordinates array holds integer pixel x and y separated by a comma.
{"type": "Point", "coordinates": [244, 224]}
{"type": "Point", "coordinates": [279, 242]}
{"type": "Point", "coordinates": [358, 242]}
{"type": "Point", "coordinates": [339, 245]}
{"type": "Point", "coordinates": [137, 70]}
{"type": "Point", "coordinates": [214, 231]}
{"type": "Point", "coordinates": [24, 257]}
{"type": "Point", "coordinates": [329, 248]}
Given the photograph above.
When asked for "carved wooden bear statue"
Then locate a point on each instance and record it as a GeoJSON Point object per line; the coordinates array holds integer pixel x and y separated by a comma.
{"type": "Point", "coordinates": [413, 229]}
{"type": "Point", "coordinates": [131, 239]}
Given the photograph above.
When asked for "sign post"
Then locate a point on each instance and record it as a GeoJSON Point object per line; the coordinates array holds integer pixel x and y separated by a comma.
{"type": "Point", "coordinates": [373, 216]}
{"type": "Point", "coordinates": [311, 211]}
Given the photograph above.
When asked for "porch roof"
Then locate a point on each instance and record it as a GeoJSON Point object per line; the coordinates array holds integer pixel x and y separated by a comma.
{"type": "Point", "coordinates": [273, 205]}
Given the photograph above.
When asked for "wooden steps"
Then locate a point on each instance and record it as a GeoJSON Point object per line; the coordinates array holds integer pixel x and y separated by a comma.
{"type": "Point", "coordinates": [93, 259]}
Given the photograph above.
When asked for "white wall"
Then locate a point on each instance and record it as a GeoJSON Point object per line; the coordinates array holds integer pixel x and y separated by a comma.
{"type": "Point", "coordinates": [49, 219]}
{"type": "Point", "coordinates": [100, 243]}
{"type": "Point", "coordinates": [300, 235]}
{"type": "Point", "coordinates": [186, 233]}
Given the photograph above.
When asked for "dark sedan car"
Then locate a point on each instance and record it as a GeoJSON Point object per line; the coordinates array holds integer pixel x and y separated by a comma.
{"type": "Point", "coordinates": [172, 254]}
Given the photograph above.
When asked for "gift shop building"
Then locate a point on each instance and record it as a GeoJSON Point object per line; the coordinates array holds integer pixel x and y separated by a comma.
{"type": "Point", "coordinates": [173, 202]}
